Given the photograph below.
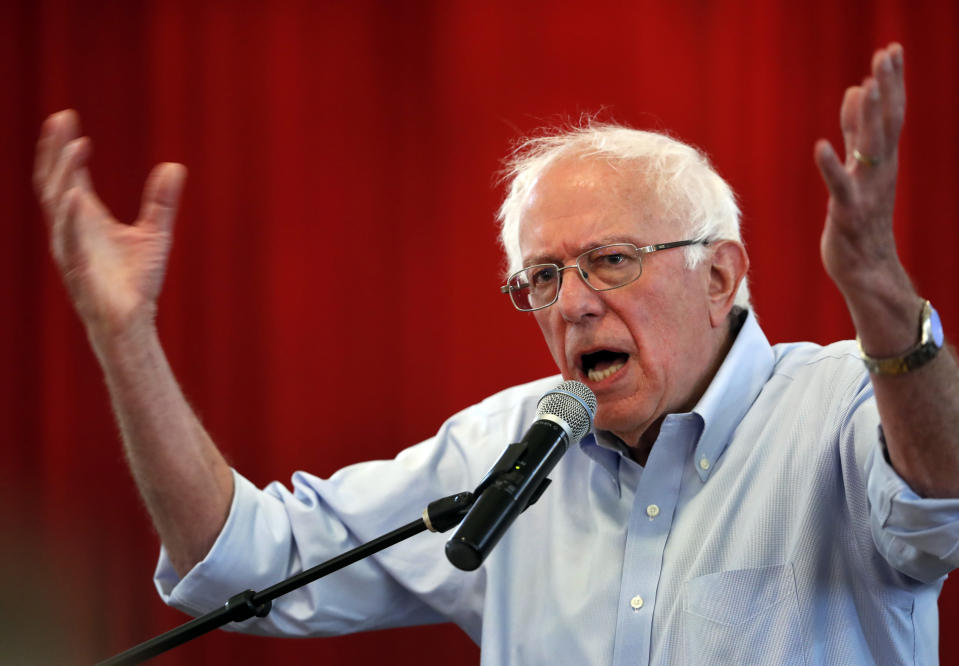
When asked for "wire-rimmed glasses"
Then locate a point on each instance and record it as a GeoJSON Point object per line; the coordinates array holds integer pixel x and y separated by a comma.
{"type": "Point", "coordinates": [602, 268]}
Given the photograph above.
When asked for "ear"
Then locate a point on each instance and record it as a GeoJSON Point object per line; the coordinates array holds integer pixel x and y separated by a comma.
{"type": "Point", "coordinates": [728, 266]}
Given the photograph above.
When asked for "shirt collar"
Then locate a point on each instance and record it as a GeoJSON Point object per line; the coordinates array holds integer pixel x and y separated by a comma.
{"type": "Point", "coordinates": [742, 375]}
{"type": "Point", "coordinates": [732, 391]}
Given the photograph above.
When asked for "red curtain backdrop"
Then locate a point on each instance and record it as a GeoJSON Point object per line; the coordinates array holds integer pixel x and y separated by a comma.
{"type": "Point", "coordinates": [332, 293]}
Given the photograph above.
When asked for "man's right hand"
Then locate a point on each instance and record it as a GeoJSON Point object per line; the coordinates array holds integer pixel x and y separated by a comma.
{"type": "Point", "coordinates": [113, 271]}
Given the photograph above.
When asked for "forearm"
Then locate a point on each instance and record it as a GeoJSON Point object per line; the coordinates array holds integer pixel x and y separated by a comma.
{"type": "Point", "coordinates": [113, 273]}
{"type": "Point", "coordinates": [919, 410]}
{"type": "Point", "coordinates": [184, 480]}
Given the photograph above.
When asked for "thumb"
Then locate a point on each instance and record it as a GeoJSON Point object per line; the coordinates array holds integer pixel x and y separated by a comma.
{"type": "Point", "coordinates": [161, 197]}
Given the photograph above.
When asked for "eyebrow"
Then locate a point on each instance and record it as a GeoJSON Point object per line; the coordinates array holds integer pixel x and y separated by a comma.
{"type": "Point", "coordinates": [608, 240]}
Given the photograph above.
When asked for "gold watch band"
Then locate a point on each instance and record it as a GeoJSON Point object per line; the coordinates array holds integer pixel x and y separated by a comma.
{"type": "Point", "coordinates": [915, 357]}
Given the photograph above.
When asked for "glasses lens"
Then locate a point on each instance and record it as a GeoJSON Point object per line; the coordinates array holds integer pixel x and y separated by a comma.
{"type": "Point", "coordinates": [534, 287]}
{"type": "Point", "coordinates": [611, 266]}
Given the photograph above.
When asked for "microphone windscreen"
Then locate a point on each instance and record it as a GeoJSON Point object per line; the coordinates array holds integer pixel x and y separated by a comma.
{"type": "Point", "coordinates": [572, 402]}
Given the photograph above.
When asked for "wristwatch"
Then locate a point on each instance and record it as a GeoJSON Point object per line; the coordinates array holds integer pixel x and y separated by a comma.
{"type": "Point", "coordinates": [931, 339]}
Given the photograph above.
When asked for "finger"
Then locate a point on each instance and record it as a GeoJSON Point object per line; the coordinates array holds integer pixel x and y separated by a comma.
{"type": "Point", "coordinates": [834, 174]}
{"type": "Point", "coordinates": [41, 162]}
{"type": "Point", "coordinates": [90, 216]}
{"type": "Point", "coordinates": [81, 178]}
{"type": "Point", "coordinates": [64, 237]}
{"type": "Point", "coordinates": [78, 213]}
{"type": "Point", "coordinates": [57, 130]}
{"type": "Point", "coordinates": [71, 158]}
{"type": "Point", "coordinates": [849, 117]}
{"type": "Point", "coordinates": [887, 67]}
{"type": "Point", "coordinates": [161, 196]}
{"type": "Point", "coordinates": [871, 137]}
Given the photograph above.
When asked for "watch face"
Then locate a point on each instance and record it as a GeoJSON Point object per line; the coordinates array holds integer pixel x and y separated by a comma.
{"type": "Point", "coordinates": [935, 325]}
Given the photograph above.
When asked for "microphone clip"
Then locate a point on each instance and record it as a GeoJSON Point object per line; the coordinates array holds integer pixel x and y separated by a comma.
{"type": "Point", "coordinates": [509, 469]}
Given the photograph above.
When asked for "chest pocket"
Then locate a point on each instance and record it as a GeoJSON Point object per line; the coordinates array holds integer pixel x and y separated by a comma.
{"type": "Point", "coordinates": [748, 616]}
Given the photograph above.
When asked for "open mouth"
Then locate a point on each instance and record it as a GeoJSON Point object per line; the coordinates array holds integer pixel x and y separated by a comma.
{"type": "Point", "coordinates": [601, 364]}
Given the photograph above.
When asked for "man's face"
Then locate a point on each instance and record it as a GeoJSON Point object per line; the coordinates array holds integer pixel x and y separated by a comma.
{"type": "Point", "coordinates": [645, 349]}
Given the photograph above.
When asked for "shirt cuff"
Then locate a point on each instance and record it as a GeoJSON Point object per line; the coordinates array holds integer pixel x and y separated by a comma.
{"type": "Point", "coordinates": [918, 536]}
{"type": "Point", "coordinates": [199, 591]}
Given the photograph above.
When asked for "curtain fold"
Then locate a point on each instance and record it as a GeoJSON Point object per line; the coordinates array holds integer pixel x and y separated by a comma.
{"type": "Point", "coordinates": [332, 295]}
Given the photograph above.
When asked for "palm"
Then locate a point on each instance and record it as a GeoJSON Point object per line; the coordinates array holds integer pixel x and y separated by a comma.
{"type": "Point", "coordinates": [112, 270]}
{"type": "Point", "coordinates": [858, 229]}
{"type": "Point", "coordinates": [857, 238]}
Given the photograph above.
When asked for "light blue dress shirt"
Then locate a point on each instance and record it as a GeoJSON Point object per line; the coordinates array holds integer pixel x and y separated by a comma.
{"type": "Point", "coordinates": [766, 528]}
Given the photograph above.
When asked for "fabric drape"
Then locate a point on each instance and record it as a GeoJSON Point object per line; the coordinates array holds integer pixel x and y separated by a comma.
{"type": "Point", "coordinates": [332, 295]}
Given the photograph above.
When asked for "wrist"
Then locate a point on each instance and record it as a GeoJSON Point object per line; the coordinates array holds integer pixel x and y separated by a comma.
{"type": "Point", "coordinates": [885, 309]}
{"type": "Point", "coordinates": [112, 339]}
{"type": "Point", "coordinates": [930, 339]}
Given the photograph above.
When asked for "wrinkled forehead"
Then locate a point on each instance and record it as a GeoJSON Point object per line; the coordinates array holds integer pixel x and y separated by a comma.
{"type": "Point", "coordinates": [591, 191]}
{"type": "Point", "coordinates": [579, 180]}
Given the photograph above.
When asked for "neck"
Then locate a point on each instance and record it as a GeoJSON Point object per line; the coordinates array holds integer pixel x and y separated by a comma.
{"type": "Point", "coordinates": [641, 443]}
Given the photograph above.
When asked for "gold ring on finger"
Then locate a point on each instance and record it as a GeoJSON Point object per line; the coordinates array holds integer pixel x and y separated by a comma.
{"type": "Point", "coordinates": [865, 160]}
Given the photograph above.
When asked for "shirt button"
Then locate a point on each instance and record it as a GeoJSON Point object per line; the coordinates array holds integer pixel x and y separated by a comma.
{"type": "Point", "coordinates": [652, 510]}
{"type": "Point", "coordinates": [703, 464]}
{"type": "Point", "coordinates": [636, 602]}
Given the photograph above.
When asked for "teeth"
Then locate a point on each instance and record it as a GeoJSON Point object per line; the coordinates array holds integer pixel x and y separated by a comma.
{"type": "Point", "coordinates": [599, 375]}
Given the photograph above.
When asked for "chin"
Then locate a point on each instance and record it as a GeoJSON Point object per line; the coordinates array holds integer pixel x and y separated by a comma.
{"type": "Point", "coordinates": [613, 422]}
{"type": "Point", "coordinates": [621, 416]}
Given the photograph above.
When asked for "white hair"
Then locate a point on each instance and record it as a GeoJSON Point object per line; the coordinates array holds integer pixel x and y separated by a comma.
{"type": "Point", "coordinates": [687, 187]}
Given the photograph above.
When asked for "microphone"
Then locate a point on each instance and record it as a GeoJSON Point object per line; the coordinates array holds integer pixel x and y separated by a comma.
{"type": "Point", "coordinates": [563, 415]}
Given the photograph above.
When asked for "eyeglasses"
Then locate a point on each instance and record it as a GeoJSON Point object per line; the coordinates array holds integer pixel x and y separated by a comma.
{"type": "Point", "coordinates": [602, 268]}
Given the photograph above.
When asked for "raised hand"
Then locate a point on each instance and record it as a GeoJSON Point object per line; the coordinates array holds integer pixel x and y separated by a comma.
{"type": "Point", "coordinates": [919, 410]}
{"type": "Point", "coordinates": [113, 271]}
{"type": "Point", "coordinates": [857, 241]}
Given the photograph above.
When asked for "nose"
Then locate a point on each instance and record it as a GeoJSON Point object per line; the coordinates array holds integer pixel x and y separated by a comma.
{"type": "Point", "coordinates": [576, 298]}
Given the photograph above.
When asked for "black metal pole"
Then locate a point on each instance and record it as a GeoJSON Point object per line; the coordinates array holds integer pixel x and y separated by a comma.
{"type": "Point", "coordinates": [439, 516]}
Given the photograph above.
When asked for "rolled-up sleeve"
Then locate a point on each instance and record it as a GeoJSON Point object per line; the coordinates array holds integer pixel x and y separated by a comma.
{"type": "Point", "coordinates": [274, 533]}
{"type": "Point", "coordinates": [265, 540]}
{"type": "Point", "coordinates": [918, 536]}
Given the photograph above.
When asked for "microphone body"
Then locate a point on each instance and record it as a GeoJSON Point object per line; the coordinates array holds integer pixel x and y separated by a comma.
{"type": "Point", "coordinates": [565, 415]}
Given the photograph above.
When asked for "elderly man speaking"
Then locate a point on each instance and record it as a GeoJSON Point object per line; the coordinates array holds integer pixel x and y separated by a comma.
{"type": "Point", "coordinates": [736, 503]}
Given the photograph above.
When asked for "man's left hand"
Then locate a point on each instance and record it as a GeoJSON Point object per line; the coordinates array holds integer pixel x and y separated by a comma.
{"type": "Point", "coordinates": [857, 243]}
{"type": "Point", "coordinates": [919, 410]}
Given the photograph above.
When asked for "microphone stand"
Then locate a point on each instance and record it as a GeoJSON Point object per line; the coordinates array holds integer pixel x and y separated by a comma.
{"type": "Point", "coordinates": [439, 516]}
